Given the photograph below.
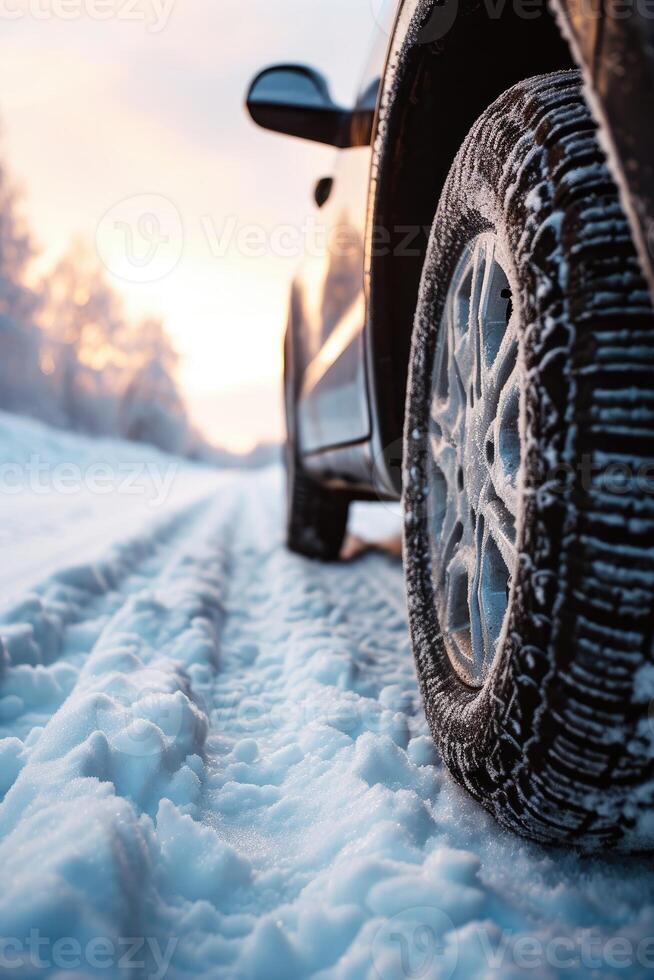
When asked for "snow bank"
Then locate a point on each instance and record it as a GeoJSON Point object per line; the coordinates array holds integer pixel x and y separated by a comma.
{"type": "Point", "coordinates": [66, 499]}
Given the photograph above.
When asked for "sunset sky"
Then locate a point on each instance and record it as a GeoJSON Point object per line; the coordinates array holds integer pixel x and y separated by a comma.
{"type": "Point", "coordinates": [95, 112]}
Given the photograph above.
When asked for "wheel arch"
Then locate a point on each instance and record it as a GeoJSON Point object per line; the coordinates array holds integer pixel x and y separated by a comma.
{"type": "Point", "coordinates": [439, 88]}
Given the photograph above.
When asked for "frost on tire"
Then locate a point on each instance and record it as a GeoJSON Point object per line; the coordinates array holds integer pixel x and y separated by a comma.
{"type": "Point", "coordinates": [555, 738]}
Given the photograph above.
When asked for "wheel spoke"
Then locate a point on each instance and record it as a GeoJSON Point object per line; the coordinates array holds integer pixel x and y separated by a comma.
{"type": "Point", "coordinates": [495, 322]}
{"type": "Point", "coordinates": [492, 592]}
{"type": "Point", "coordinates": [448, 402]}
{"type": "Point", "coordinates": [504, 360]}
{"type": "Point", "coordinates": [501, 525]}
{"type": "Point", "coordinates": [456, 617]}
{"type": "Point", "coordinates": [505, 428]}
{"type": "Point", "coordinates": [477, 636]}
{"type": "Point", "coordinates": [483, 265]}
{"type": "Point", "coordinates": [441, 386]}
{"type": "Point", "coordinates": [475, 443]}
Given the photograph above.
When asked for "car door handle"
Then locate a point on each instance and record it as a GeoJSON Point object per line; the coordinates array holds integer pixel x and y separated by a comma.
{"type": "Point", "coordinates": [323, 190]}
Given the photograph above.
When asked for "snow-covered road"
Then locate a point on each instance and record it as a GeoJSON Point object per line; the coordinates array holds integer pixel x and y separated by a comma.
{"type": "Point", "coordinates": [214, 761]}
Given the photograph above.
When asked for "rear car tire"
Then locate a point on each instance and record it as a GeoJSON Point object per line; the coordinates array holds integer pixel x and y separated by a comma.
{"type": "Point", "coordinates": [535, 659]}
{"type": "Point", "coordinates": [316, 517]}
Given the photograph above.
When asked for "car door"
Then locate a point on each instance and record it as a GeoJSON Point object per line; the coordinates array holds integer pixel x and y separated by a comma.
{"type": "Point", "coordinates": [333, 406]}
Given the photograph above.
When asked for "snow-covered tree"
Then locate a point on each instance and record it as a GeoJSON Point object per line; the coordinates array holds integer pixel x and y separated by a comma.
{"type": "Point", "coordinates": [117, 378]}
{"type": "Point", "coordinates": [68, 353]}
{"type": "Point", "coordinates": [25, 370]}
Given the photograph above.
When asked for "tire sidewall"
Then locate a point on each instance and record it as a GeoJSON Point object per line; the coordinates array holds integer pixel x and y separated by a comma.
{"type": "Point", "coordinates": [477, 730]}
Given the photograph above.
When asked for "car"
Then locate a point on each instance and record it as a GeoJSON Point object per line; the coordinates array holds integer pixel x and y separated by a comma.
{"type": "Point", "coordinates": [477, 339]}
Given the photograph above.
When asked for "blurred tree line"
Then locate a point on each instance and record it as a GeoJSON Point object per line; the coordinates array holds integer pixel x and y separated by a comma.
{"type": "Point", "coordinates": [69, 356]}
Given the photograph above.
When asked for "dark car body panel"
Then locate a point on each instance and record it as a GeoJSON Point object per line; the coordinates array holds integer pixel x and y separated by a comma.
{"type": "Point", "coordinates": [352, 308]}
{"type": "Point", "coordinates": [616, 49]}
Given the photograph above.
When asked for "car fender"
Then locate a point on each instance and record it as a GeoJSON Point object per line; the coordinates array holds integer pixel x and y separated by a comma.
{"type": "Point", "coordinates": [616, 56]}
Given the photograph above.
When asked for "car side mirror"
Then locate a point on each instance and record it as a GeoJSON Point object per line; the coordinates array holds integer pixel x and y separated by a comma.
{"type": "Point", "coordinates": [295, 100]}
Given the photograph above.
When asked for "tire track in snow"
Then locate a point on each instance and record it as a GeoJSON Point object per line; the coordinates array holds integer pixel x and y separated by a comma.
{"type": "Point", "coordinates": [67, 624]}
{"type": "Point", "coordinates": [315, 696]}
{"type": "Point", "coordinates": [45, 637]}
{"type": "Point", "coordinates": [78, 817]}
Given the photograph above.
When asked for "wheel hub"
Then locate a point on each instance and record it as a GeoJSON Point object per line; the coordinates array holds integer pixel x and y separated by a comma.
{"type": "Point", "coordinates": [475, 459]}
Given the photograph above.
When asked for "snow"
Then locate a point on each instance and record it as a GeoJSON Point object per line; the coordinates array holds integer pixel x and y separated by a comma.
{"type": "Point", "coordinates": [218, 748]}
{"type": "Point", "coordinates": [64, 496]}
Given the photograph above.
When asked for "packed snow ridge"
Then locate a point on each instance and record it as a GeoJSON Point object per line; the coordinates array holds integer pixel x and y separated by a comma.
{"type": "Point", "coordinates": [214, 760]}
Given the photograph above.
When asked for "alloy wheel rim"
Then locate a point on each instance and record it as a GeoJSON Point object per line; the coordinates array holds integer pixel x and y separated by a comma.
{"type": "Point", "coordinates": [475, 459]}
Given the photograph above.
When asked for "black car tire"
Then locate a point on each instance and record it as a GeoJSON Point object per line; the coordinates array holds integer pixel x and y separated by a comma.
{"type": "Point", "coordinates": [558, 742]}
{"type": "Point", "coordinates": [316, 517]}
